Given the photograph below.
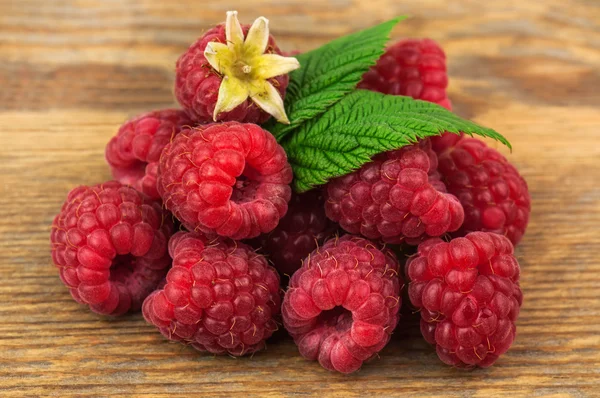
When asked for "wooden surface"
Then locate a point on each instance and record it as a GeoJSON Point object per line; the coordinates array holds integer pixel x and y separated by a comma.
{"type": "Point", "coordinates": [72, 70]}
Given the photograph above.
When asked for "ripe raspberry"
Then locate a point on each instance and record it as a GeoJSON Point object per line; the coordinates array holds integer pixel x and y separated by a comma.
{"type": "Point", "coordinates": [342, 304]}
{"type": "Point", "coordinates": [298, 233]}
{"type": "Point", "coordinates": [220, 296]}
{"type": "Point", "coordinates": [440, 143]}
{"type": "Point", "coordinates": [415, 68]}
{"type": "Point", "coordinates": [134, 152]}
{"type": "Point", "coordinates": [468, 293]}
{"type": "Point", "coordinates": [492, 192]}
{"type": "Point", "coordinates": [231, 74]}
{"type": "Point", "coordinates": [392, 198]}
{"type": "Point", "coordinates": [110, 243]}
{"type": "Point", "coordinates": [231, 179]}
{"type": "Point", "coordinates": [291, 53]}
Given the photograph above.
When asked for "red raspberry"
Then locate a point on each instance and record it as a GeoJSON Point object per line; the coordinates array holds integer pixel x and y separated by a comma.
{"type": "Point", "coordinates": [415, 68]}
{"type": "Point", "coordinates": [492, 192]}
{"type": "Point", "coordinates": [298, 233]}
{"type": "Point", "coordinates": [220, 296]}
{"type": "Point", "coordinates": [134, 152]}
{"type": "Point", "coordinates": [342, 304]}
{"type": "Point", "coordinates": [391, 198]}
{"type": "Point", "coordinates": [197, 83]}
{"type": "Point", "coordinates": [110, 243]}
{"type": "Point", "coordinates": [226, 178]}
{"type": "Point", "coordinates": [469, 296]}
{"type": "Point", "coordinates": [440, 143]}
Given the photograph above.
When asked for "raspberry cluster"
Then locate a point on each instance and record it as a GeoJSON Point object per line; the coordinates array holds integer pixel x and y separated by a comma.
{"type": "Point", "coordinates": [110, 245]}
{"type": "Point", "coordinates": [468, 294]}
{"type": "Point", "coordinates": [391, 198]}
{"type": "Point", "coordinates": [415, 68]}
{"type": "Point", "coordinates": [134, 152]}
{"type": "Point", "coordinates": [301, 231]}
{"type": "Point", "coordinates": [491, 190]}
{"type": "Point", "coordinates": [230, 179]}
{"type": "Point", "coordinates": [211, 169]}
{"type": "Point", "coordinates": [197, 85]}
{"type": "Point", "coordinates": [342, 304]}
{"type": "Point", "coordinates": [220, 296]}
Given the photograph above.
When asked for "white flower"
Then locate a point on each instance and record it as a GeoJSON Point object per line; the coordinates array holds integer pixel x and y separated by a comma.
{"type": "Point", "coordinates": [246, 68]}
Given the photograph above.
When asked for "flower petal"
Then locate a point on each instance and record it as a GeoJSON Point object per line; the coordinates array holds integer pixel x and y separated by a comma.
{"type": "Point", "coordinates": [232, 92]}
{"type": "Point", "coordinates": [215, 54]}
{"type": "Point", "coordinates": [258, 37]}
{"type": "Point", "coordinates": [233, 30]}
{"type": "Point", "coordinates": [267, 97]}
{"type": "Point", "coordinates": [271, 65]}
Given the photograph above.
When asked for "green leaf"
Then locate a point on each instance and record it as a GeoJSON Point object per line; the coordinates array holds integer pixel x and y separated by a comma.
{"type": "Point", "coordinates": [361, 125]}
{"type": "Point", "coordinates": [330, 72]}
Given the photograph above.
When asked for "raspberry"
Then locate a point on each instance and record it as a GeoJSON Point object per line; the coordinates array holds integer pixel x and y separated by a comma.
{"type": "Point", "coordinates": [110, 243]}
{"type": "Point", "coordinates": [492, 192]}
{"type": "Point", "coordinates": [342, 304]}
{"type": "Point", "coordinates": [220, 296]}
{"type": "Point", "coordinates": [467, 291]}
{"type": "Point", "coordinates": [440, 143]}
{"type": "Point", "coordinates": [415, 68]}
{"type": "Point", "coordinates": [298, 233]}
{"type": "Point", "coordinates": [392, 198]}
{"type": "Point", "coordinates": [134, 152]}
{"type": "Point", "coordinates": [239, 83]}
{"type": "Point", "coordinates": [231, 179]}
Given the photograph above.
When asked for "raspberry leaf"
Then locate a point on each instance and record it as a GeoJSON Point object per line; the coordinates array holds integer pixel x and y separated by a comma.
{"type": "Point", "coordinates": [330, 72]}
{"type": "Point", "coordinates": [361, 125]}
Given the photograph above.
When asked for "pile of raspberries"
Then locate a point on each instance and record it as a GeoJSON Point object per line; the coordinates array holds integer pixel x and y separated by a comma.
{"type": "Point", "coordinates": [200, 230]}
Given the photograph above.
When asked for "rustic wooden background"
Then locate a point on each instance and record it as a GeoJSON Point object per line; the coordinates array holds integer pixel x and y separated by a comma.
{"type": "Point", "coordinates": [72, 70]}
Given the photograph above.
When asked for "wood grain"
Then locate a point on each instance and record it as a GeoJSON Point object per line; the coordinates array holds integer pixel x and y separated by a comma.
{"type": "Point", "coordinates": [73, 70]}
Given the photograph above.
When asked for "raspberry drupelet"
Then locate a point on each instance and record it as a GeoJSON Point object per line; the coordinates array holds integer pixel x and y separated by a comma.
{"type": "Point", "coordinates": [234, 73]}
{"type": "Point", "coordinates": [230, 179]}
{"type": "Point", "coordinates": [110, 244]}
{"type": "Point", "coordinates": [392, 198]}
{"type": "Point", "coordinates": [468, 294]}
{"type": "Point", "coordinates": [414, 68]}
{"type": "Point", "coordinates": [220, 296]}
{"type": "Point", "coordinates": [134, 152]}
{"type": "Point", "coordinates": [492, 192]}
{"type": "Point", "coordinates": [303, 228]}
{"type": "Point", "coordinates": [342, 304]}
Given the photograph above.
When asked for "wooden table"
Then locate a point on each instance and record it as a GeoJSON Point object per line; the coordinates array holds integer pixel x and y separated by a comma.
{"type": "Point", "coordinates": [72, 70]}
